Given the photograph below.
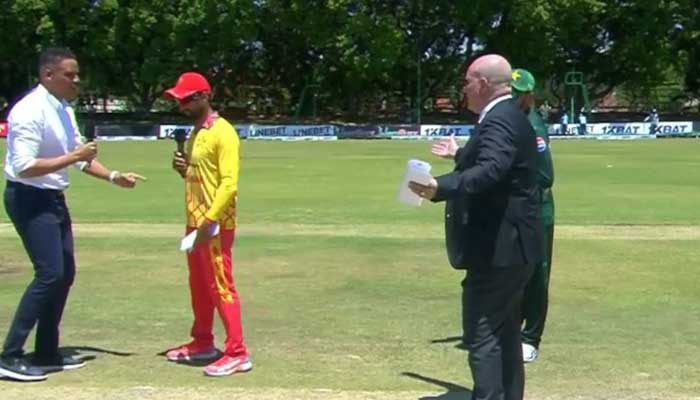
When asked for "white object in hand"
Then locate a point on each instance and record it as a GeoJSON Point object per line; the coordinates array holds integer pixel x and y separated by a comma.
{"type": "Point", "coordinates": [417, 171]}
{"type": "Point", "coordinates": [187, 242]}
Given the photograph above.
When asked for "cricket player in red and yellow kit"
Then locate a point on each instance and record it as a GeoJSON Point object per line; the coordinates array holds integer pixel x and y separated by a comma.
{"type": "Point", "coordinates": [210, 169]}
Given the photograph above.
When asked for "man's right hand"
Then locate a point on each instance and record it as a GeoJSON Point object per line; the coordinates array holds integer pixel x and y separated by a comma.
{"type": "Point", "coordinates": [445, 148]}
{"type": "Point", "coordinates": [86, 152]}
{"type": "Point", "coordinates": [180, 163]}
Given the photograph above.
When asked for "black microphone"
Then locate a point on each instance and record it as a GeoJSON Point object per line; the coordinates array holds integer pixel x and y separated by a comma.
{"type": "Point", "coordinates": [90, 132]}
{"type": "Point", "coordinates": [180, 136]}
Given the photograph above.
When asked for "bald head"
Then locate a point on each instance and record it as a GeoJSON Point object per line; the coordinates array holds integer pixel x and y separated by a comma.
{"type": "Point", "coordinates": [487, 78]}
{"type": "Point", "coordinates": [493, 67]}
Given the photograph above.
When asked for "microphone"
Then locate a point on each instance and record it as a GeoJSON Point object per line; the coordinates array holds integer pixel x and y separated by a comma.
{"type": "Point", "coordinates": [180, 136]}
{"type": "Point", "coordinates": [90, 132]}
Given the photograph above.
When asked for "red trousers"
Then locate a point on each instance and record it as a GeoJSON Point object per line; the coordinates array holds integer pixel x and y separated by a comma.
{"type": "Point", "coordinates": [211, 287]}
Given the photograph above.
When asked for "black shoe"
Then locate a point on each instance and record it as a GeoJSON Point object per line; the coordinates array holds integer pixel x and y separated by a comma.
{"type": "Point", "coordinates": [57, 363]}
{"type": "Point", "coordinates": [18, 368]}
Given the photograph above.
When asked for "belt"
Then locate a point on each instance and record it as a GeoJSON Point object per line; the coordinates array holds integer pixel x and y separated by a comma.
{"type": "Point", "coordinates": [29, 188]}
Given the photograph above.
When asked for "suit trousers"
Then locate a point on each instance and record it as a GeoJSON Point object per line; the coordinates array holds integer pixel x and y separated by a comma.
{"type": "Point", "coordinates": [491, 307]}
{"type": "Point", "coordinates": [41, 219]}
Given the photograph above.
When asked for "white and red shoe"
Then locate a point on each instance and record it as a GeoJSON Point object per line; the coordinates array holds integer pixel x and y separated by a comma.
{"type": "Point", "coordinates": [192, 352]}
{"type": "Point", "coordinates": [227, 365]}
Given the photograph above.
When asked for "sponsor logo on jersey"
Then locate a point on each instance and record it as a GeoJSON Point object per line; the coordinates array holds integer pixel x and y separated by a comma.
{"type": "Point", "coordinates": [541, 145]}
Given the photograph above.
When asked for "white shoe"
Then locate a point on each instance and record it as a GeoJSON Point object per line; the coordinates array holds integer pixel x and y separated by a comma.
{"type": "Point", "coordinates": [530, 353]}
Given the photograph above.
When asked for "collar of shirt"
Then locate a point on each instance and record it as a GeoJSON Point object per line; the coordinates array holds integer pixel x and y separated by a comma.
{"type": "Point", "coordinates": [55, 102]}
{"type": "Point", "coordinates": [211, 118]}
{"type": "Point", "coordinates": [492, 104]}
{"type": "Point", "coordinates": [65, 113]}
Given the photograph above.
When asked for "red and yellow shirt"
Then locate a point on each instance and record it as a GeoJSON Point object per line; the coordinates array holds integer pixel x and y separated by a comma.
{"type": "Point", "coordinates": [212, 175]}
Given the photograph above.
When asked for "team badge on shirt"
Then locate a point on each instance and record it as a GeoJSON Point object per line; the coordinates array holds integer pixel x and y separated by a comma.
{"type": "Point", "coordinates": [541, 145]}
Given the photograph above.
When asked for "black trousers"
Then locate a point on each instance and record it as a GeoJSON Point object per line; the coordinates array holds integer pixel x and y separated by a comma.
{"type": "Point", "coordinates": [491, 306]}
{"type": "Point", "coordinates": [43, 223]}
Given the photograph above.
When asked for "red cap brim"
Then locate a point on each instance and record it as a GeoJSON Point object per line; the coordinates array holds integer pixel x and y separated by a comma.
{"type": "Point", "coordinates": [178, 93]}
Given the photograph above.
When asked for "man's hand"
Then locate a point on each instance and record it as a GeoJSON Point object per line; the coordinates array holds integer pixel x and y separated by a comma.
{"type": "Point", "coordinates": [445, 148]}
{"type": "Point", "coordinates": [204, 232]}
{"type": "Point", "coordinates": [85, 152]}
{"type": "Point", "coordinates": [180, 163]}
{"type": "Point", "coordinates": [425, 191]}
{"type": "Point", "coordinates": [127, 180]}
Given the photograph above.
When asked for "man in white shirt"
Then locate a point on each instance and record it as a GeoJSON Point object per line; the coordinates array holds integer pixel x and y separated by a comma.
{"type": "Point", "coordinates": [653, 119]}
{"type": "Point", "coordinates": [564, 121]}
{"type": "Point", "coordinates": [582, 121]}
{"type": "Point", "coordinates": [42, 142]}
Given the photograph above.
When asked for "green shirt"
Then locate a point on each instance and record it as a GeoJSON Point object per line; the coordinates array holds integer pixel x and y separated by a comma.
{"type": "Point", "coordinates": [545, 168]}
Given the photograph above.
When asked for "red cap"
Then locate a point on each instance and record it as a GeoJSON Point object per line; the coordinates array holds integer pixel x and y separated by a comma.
{"type": "Point", "coordinates": [188, 84]}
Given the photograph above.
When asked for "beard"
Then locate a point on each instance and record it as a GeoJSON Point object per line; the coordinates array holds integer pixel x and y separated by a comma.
{"type": "Point", "coordinates": [194, 114]}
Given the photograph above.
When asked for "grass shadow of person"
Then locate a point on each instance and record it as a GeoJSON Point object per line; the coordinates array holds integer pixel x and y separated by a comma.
{"type": "Point", "coordinates": [82, 353]}
{"type": "Point", "coordinates": [200, 362]}
{"type": "Point", "coordinates": [454, 391]}
{"type": "Point", "coordinates": [452, 339]}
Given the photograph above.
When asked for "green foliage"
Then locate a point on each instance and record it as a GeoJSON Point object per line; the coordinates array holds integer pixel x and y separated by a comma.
{"type": "Point", "coordinates": [349, 54]}
{"type": "Point", "coordinates": [686, 37]}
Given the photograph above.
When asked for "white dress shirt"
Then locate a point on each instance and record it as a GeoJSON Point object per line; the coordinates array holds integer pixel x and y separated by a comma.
{"type": "Point", "coordinates": [491, 105]}
{"type": "Point", "coordinates": [40, 126]}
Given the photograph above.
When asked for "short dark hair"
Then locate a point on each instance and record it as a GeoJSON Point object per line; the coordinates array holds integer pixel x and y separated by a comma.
{"type": "Point", "coordinates": [55, 55]}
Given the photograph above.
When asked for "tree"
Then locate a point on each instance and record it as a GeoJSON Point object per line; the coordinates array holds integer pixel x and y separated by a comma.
{"type": "Point", "coordinates": [611, 42]}
{"type": "Point", "coordinates": [19, 20]}
{"type": "Point", "coordinates": [349, 53]}
{"type": "Point", "coordinates": [685, 36]}
{"type": "Point", "coordinates": [141, 46]}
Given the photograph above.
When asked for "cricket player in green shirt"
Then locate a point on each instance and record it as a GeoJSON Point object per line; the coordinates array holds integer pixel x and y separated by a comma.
{"type": "Point", "coordinates": [536, 292]}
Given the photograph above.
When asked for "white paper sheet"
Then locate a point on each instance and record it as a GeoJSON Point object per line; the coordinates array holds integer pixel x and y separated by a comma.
{"type": "Point", "coordinates": [416, 171]}
{"type": "Point", "coordinates": [188, 241]}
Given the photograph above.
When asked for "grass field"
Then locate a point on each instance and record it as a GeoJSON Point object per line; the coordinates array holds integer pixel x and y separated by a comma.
{"type": "Point", "coordinates": [347, 294]}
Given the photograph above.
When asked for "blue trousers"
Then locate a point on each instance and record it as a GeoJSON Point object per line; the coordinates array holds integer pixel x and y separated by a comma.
{"type": "Point", "coordinates": [43, 223]}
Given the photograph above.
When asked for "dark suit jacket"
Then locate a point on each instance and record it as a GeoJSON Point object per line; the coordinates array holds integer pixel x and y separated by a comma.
{"type": "Point", "coordinates": [492, 211]}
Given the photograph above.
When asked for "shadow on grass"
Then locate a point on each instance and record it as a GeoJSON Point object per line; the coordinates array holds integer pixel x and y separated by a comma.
{"type": "Point", "coordinates": [79, 352]}
{"type": "Point", "coordinates": [198, 362]}
{"type": "Point", "coordinates": [452, 339]}
{"type": "Point", "coordinates": [454, 391]}
{"type": "Point", "coordinates": [82, 353]}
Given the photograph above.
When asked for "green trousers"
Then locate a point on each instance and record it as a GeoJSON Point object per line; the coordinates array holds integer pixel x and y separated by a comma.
{"type": "Point", "coordinates": [536, 297]}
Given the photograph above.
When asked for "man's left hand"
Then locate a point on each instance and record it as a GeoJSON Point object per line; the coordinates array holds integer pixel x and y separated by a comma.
{"type": "Point", "coordinates": [425, 191]}
{"type": "Point", "coordinates": [128, 180]}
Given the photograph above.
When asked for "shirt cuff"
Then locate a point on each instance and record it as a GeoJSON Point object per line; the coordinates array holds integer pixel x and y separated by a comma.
{"type": "Point", "coordinates": [22, 164]}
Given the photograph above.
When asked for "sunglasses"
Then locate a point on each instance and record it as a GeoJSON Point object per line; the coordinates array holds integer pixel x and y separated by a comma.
{"type": "Point", "coordinates": [187, 100]}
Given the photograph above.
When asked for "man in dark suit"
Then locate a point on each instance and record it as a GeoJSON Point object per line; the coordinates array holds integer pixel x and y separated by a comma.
{"type": "Point", "coordinates": [492, 226]}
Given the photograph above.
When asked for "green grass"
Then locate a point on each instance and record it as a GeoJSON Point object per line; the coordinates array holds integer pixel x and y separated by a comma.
{"type": "Point", "coordinates": [650, 182]}
{"type": "Point", "coordinates": [344, 289]}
